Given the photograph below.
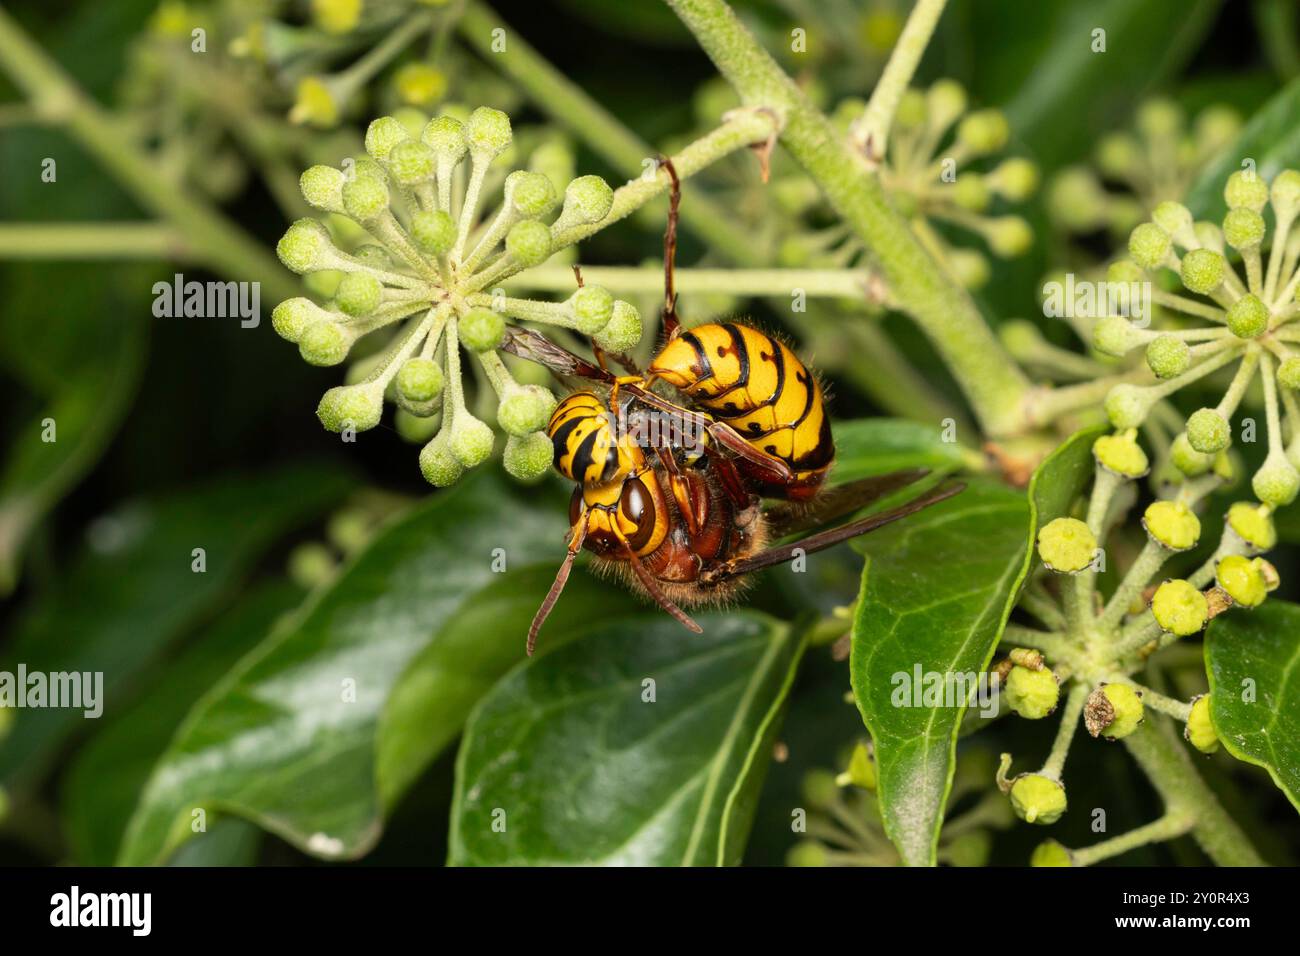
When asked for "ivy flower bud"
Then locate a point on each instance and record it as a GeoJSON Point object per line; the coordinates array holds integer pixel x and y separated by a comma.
{"type": "Point", "coordinates": [587, 199]}
{"type": "Point", "coordinates": [1121, 454]}
{"type": "Point", "coordinates": [1149, 245]}
{"type": "Point", "coordinates": [1200, 730]}
{"type": "Point", "coordinates": [1187, 459]}
{"type": "Point", "coordinates": [525, 409]}
{"type": "Point", "coordinates": [623, 331]}
{"type": "Point", "coordinates": [531, 194]}
{"type": "Point", "coordinates": [1208, 431]}
{"type": "Point", "coordinates": [358, 293]}
{"type": "Point", "coordinates": [471, 440]}
{"type": "Point", "coordinates": [1288, 373]}
{"type": "Point", "coordinates": [1127, 405]}
{"type": "Point", "coordinates": [292, 317]}
{"type": "Point", "coordinates": [1050, 853]}
{"type": "Point", "coordinates": [593, 307]}
{"type": "Point", "coordinates": [322, 187]}
{"type": "Point", "coordinates": [1216, 126]}
{"type": "Point", "coordinates": [324, 343]}
{"type": "Point", "coordinates": [1168, 356]}
{"type": "Point", "coordinates": [445, 135]}
{"type": "Point", "coordinates": [411, 162]}
{"type": "Point", "coordinates": [1277, 481]}
{"type": "Point", "coordinates": [357, 406]}
{"type": "Point", "coordinates": [433, 230]}
{"type": "Point", "coordinates": [481, 330]}
{"type": "Point", "coordinates": [529, 242]}
{"type": "Point", "coordinates": [383, 134]}
{"type": "Point", "coordinates": [1113, 710]}
{"type": "Point", "coordinates": [488, 131]}
{"type": "Point", "coordinates": [439, 466]}
{"type": "Point", "coordinates": [984, 131]}
{"type": "Point", "coordinates": [1117, 154]}
{"type": "Point", "coordinates": [1115, 335]}
{"type": "Point", "coordinates": [1285, 194]}
{"type": "Point", "coordinates": [1172, 525]}
{"type": "Point", "coordinates": [1245, 190]}
{"type": "Point", "coordinates": [913, 110]}
{"type": "Point", "coordinates": [420, 84]}
{"type": "Point", "coordinates": [970, 192]}
{"type": "Point", "coordinates": [1253, 524]}
{"type": "Point", "coordinates": [1248, 317]}
{"type": "Point", "coordinates": [1031, 693]}
{"type": "Point", "coordinates": [970, 268]}
{"type": "Point", "coordinates": [1244, 579]}
{"type": "Point", "coordinates": [861, 771]}
{"type": "Point", "coordinates": [304, 246]}
{"type": "Point", "coordinates": [807, 853]}
{"type": "Point", "coordinates": [945, 100]}
{"type": "Point", "coordinates": [419, 380]}
{"type": "Point", "coordinates": [336, 16]}
{"type": "Point", "coordinates": [1243, 228]}
{"type": "Point", "coordinates": [1209, 236]}
{"type": "Point", "coordinates": [1015, 179]}
{"type": "Point", "coordinates": [314, 104]}
{"type": "Point", "coordinates": [1037, 798]}
{"type": "Point", "coordinates": [1174, 218]}
{"type": "Point", "coordinates": [1066, 545]}
{"type": "Point", "coordinates": [1075, 199]}
{"type": "Point", "coordinates": [1180, 608]}
{"type": "Point", "coordinates": [1203, 270]}
{"type": "Point", "coordinates": [365, 198]}
{"type": "Point", "coordinates": [1009, 236]}
{"type": "Point", "coordinates": [528, 457]}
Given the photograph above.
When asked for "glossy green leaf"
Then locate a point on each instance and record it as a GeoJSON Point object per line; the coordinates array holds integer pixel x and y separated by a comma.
{"type": "Point", "coordinates": [1253, 662]}
{"type": "Point", "coordinates": [288, 739]}
{"type": "Point", "coordinates": [937, 589]}
{"type": "Point", "coordinates": [134, 589]}
{"type": "Point", "coordinates": [104, 782]}
{"type": "Point", "coordinates": [1271, 138]}
{"type": "Point", "coordinates": [567, 762]}
{"type": "Point", "coordinates": [874, 446]}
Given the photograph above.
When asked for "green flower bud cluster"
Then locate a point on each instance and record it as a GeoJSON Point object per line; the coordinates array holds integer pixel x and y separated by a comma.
{"type": "Point", "coordinates": [423, 271]}
{"type": "Point", "coordinates": [1159, 158]}
{"type": "Point", "coordinates": [1236, 325]}
{"type": "Point", "coordinates": [929, 175]}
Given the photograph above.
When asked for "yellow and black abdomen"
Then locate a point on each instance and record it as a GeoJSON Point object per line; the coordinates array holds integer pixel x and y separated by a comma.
{"type": "Point", "coordinates": [588, 446]}
{"type": "Point", "coordinates": [757, 385]}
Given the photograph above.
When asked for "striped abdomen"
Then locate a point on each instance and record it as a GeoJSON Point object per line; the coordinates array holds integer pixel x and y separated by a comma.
{"type": "Point", "coordinates": [588, 448]}
{"type": "Point", "coordinates": [754, 383]}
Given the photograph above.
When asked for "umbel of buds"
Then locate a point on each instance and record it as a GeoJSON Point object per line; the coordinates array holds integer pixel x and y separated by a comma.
{"type": "Point", "coordinates": [929, 171]}
{"type": "Point", "coordinates": [421, 277]}
{"type": "Point", "coordinates": [1245, 323]}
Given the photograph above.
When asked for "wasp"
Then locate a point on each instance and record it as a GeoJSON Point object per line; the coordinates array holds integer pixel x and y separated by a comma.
{"type": "Point", "coordinates": [668, 494]}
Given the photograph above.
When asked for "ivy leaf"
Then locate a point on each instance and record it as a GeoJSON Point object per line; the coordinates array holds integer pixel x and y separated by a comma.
{"type": "Point", "coordinates": [134, 589]}
{"type": "Point", "coordinates": [1271, 138]}
{"type": "Point", "coordinates": [936, 593]}
{"type": "Point", "coordinates": [586, 771]}
{"type": "Point", "coordinates": [288, 738]}
{"type": "Point", "coordinates": [874, 446]}
{"type": "Point", "coordinates": [1259, 651]}
{"type": "Point", "coordinates": [104, 782]}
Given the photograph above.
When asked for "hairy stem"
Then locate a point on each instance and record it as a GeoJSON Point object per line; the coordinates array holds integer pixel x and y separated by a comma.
{"type": "Point", "coordinates": [992, 382]}
{"type": "Point", "coordinates": [92, 240]}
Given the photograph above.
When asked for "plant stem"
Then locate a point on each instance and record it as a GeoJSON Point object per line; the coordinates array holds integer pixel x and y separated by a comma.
{"type": "Point", "coordinates": [214, 239]}
{"type": "Point", "coordinates": [570, 106]}
{"type": "Point", "coordinates": [870, 133]}
{"type": "Point", "coordinates": [992, 382]}
{"type": "Point", "coordinates": [1168, 827]}
{"type": "Point", "coordinates": [830, 283]}
{"type": "Point", "coordinates": [1166, 762]}
{"type": "Point", "coordinates": [92, 240]}
{"type": "Point", "coordinates": [1066, 731]}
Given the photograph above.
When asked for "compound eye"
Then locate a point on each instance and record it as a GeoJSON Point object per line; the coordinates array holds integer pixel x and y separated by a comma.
{"type": "Point", "coordinates": [575, 506]}
{"type": "Point", "coordinates": [638, 507]}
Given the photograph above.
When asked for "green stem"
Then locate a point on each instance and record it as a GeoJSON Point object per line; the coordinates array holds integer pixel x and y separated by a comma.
{"type": "Point", "coordinates": [1168, 827]}
{"type": "Point", "coordinates": [871, 132]}
{"type": "Point", "coordinates": [828, 283]}
{"type": "Point", "coordinates": [215, 240]}
{"type": "Point", "coordinates": [1065, 732]}
{"type": "Point", "coordinates": [1166, 762]}
{"type": "Point", "coordinates": [92, 240]}
{"type": "Point", "coordinates": [992, 382]}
